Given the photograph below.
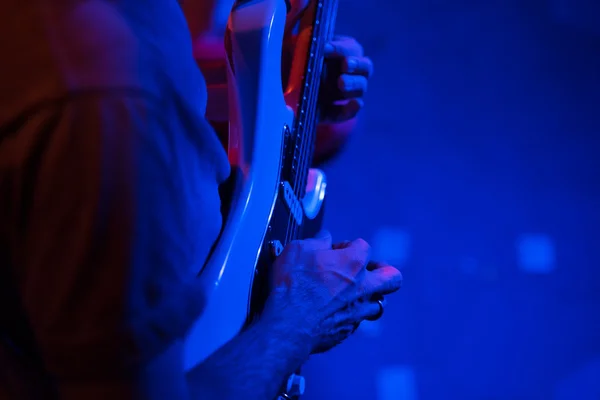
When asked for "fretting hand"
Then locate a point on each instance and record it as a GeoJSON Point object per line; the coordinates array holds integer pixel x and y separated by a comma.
{"type": "Point", "coordinates": [346, 81]}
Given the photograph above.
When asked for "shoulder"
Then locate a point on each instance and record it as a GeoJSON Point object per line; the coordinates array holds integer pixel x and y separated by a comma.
{"type": "Point", "coordinates": [93, 44]}
{"type": "Point", "coordinates": [59, 46]}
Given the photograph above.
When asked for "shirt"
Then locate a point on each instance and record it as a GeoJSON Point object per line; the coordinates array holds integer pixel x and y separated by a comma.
{"type": "Point", "coordinates": [109, 204]}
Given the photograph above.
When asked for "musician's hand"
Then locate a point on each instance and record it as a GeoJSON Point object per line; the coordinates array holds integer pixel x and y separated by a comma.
{"type": "Point", "coordinates": [347, 79]}
{"type": "Point", "coordinates": [327, 290]}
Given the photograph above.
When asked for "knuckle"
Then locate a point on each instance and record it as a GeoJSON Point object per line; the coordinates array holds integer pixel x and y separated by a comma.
{"type": "Point", "coordinates": [295, 245]}
{"type": "Point", "coordinates": [345, 82]}
{"type": "Point", "coordinates": [369, 65]}
{"type": "Point", "coordinates": [356, 264]}
{"type": "Point", "coordinates": [362, 291]}
{"type": "Point", "coordinates": [362, 83]}
{"type": "Point", "coordinates": [353, 45]}
{"type": "Point", "coordinates": [348, 46]}
{"type": "Point", "coordinates": [340, 317]}
{"type": "Point", "coordinates": [360, 51]}
{"type": "Point", "coordinates": [370, 286]}
{"type": "Point", "coordinates": [394, 276]}
{"type": "Point", "coordinates": [335, 48]}
{"type": "Point", "coordinates": [386, 286]}
{"type": "Point", "coordinates": [294, 248]}
{"type": "Point", "coordinates": [319, 259]}
{"type": "Point", "coordinates": [363, 248]}
{"type": "Point", "coordinates": [389, 280]}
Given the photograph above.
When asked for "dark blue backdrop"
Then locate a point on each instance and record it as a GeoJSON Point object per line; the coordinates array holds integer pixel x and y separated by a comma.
{"type": "Point", "coordinates": [477, 169]}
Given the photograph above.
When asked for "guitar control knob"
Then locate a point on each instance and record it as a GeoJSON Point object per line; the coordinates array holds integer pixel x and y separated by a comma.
{"type": "Point", "coordinates": [276, 248]}
{"type": "Point", "coordinates": [295, 385]}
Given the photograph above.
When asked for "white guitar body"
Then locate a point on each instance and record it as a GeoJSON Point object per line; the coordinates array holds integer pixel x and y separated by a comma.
{"type": "Point", "coordinates": [258, 114]}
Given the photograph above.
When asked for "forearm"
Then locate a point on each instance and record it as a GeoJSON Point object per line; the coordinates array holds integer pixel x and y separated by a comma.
{"type": "Point", "coordinates": [253, 365]}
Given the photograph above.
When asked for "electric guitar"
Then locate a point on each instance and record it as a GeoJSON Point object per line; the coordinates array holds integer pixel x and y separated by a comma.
{"type": "Point", "coordinates": [276, 196]}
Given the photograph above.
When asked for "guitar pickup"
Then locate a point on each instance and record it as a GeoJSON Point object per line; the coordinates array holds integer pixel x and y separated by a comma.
{"type": "Point", "coordinates": [294, 205]}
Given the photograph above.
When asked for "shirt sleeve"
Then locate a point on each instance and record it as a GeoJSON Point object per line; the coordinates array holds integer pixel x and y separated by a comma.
{"type": "Point", "coordinates": [113, 218]}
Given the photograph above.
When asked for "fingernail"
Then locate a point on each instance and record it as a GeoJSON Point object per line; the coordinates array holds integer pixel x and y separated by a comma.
{"type": "Point", "coordinates": [347, 83]}
{"type": "Point", "coordinates": [352, 64]}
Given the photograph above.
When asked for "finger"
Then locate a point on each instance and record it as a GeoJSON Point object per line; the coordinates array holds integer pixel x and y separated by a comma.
{"type": "Point", "coordinates": [352, 312]}
{"type": "Point", "coordinates": [322, 241]}
{"type": "Point", "coordinates": [342, 112]}
{"type": "Point", "coordinates": [355, 256]}
{"type": "Point", "coordinates": [373, 265]}
{"type": "Point", "coordinates": [368, 310]}
{"type": "Point", "coordinates": [359, 246]}
{"type": "Point", "coordinates": [341, 38]}
{"type": "Point", "coordinates": [322, 234]}
{"type": "Point", "coordinates": [358, 66]}
{"type": "Point", "coordinates": [352, 86]}
{"type": "Point", "coordinates": [383, 280]}
{"type": "Point", "coordinates": [343, 46]}
{"type": "Point", "coordinates": [358, 311]}
{"type": "Point", "coordinates": [341, 245]}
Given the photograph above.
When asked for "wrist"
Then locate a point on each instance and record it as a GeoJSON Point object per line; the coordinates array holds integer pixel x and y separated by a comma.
{"type": "Point", "coordinates": [256, 362]}
{"type": "Point", "coordinates": [285, 322]}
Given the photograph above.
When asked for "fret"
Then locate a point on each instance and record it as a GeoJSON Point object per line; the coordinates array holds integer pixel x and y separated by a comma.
{"type": "Point", "coordinates": [303, 142]}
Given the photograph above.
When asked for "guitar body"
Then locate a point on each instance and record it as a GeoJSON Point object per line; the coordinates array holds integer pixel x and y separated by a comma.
{"type": "Point", "coordinates": [275, 196]}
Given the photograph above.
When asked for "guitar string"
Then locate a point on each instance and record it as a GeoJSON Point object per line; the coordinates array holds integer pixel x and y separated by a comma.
{"type": "Point", "coordinates": [303, 154]}
{"type": "Point", "coordinates": [292, 231]}
{"type": "Point", "coordinates": [314, 92]}
{"type": "Point", "coordinates": [307, 146]}
{"type": "Point", "coordinates": [290, 228]}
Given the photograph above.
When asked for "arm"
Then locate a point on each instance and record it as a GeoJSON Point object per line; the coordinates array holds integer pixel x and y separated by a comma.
{"type": "Point", "coordinates": [210, 55]}
{"type": "Point", "coordinates": [105, 244]}
{"type": "Point", "coordinates": [253, 365]}
{"type": "Point", "coordinates": [110, 258]}
{"type": "Point", "coordinates": [112, 213]}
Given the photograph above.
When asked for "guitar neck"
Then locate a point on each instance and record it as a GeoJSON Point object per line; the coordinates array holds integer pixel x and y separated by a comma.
{"type": "Point", "coordinates": [319, 20]}
{"type": "Point", "coordinates": [303, 91]}
{"type": "Point", "coordinates": [316, 28]}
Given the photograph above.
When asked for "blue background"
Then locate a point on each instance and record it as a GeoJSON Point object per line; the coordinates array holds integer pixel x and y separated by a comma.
{"type": "Point", "coordinates": [476, 169]}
